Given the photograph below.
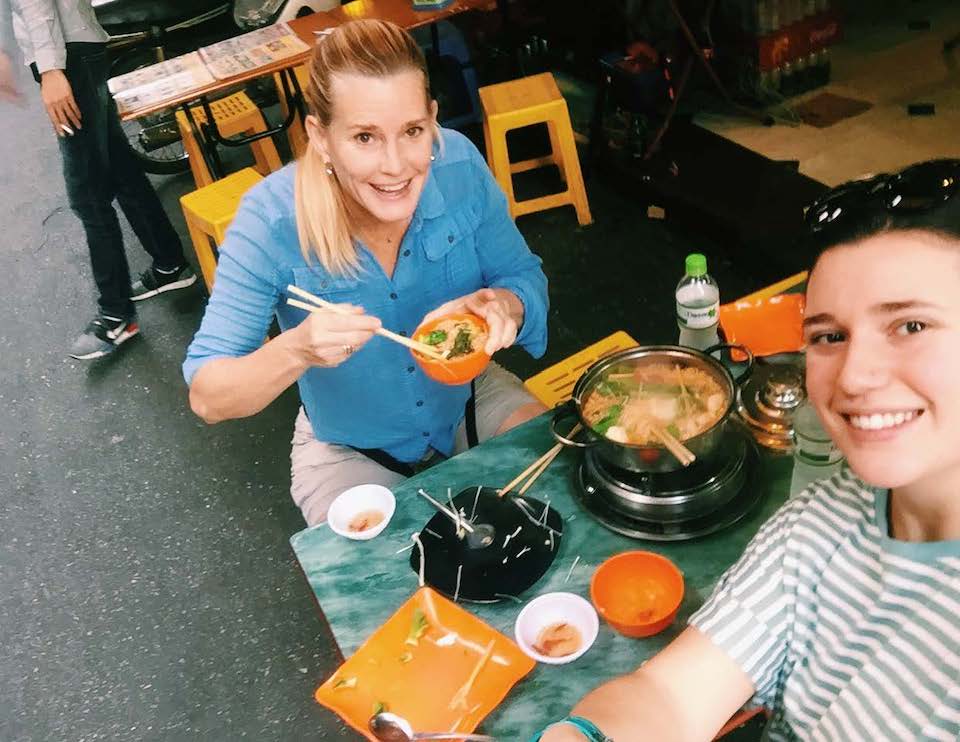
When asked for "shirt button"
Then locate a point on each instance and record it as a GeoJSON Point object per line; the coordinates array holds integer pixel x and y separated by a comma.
{"type": "Point", "coordinates": [426, 434]}
{"type": "Point", "coordinates": [450, 238]}
{"type": "Point", "coordinates": [323, 284]}
{"type": "Point", "coordinates": [402, 332]}
{"type": "Point", "coordinates": [419, 403]}
{"type": "Point", "coordinates": [409, 369]}
{"type": "Point", "coordinates": [406, 253]}
{"type": "Point", "coordinates": [393, 296]}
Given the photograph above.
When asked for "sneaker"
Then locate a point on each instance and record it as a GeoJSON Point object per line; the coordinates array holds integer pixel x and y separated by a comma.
{"type": "Point", "coordinates": [102, 337]}
{"type": "Point", "coordinates": [153, 282]}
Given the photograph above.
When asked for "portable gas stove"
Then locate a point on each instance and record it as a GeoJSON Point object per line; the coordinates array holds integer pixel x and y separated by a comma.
{"type": "Point", "coordinates": [709, 495]}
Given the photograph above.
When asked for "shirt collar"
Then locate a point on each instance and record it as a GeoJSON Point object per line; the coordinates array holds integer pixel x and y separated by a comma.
{"type": "Point", "coordinates": [432, 203]}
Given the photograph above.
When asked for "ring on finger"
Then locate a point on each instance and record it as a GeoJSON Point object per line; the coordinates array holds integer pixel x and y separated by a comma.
{"type": "Point", "coordinates": [348, 350]}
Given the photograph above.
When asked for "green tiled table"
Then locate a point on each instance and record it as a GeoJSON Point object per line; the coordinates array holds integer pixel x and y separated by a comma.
{"type": "Point", "coordinates": [359, 584]}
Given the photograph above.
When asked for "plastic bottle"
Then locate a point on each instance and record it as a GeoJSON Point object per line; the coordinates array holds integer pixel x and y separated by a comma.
{"type": "Point", "coordinates": [762, 16]}
{"type": "Point", "coordinates": [788, 86]}
{"type": "Point", "coordinates": [800, 77]}
{"type": "Point", "coordinates": [815, 456]}
{"type": "Point", "coordinates": [824, 65]}
{"type": "Point", "coordinates": [698, 305]}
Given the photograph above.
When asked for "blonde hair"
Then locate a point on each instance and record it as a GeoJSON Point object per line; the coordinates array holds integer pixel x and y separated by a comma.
{"type": "Point", "coordinates": [372, 48]}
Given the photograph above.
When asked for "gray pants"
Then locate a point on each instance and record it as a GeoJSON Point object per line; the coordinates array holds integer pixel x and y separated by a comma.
{"type": "Point", "coordinates": [321, 471]}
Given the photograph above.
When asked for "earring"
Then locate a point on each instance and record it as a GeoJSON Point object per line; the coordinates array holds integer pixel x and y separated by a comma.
{"type": "Point", "coordinates": [433, 158]}
{"type": "Point", "coordinates": [329, 168]}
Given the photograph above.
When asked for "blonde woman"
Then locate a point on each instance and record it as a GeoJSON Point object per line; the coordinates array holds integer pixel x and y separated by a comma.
{"type": "Point", "coordinates": [392, 217]}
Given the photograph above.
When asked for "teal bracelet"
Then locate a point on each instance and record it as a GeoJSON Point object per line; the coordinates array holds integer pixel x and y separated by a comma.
{"type": "Point", "coordinates": [586, 727]}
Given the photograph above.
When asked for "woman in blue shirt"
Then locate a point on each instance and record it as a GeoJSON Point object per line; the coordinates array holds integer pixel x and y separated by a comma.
{"type": "Point", "coordinates": [391, 216]}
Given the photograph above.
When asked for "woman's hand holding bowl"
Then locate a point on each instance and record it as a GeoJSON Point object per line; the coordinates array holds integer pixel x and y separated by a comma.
{"type": "Point", "coordinates": [328, 339]}
{"type": "Point", "coordinates": [501, 308]}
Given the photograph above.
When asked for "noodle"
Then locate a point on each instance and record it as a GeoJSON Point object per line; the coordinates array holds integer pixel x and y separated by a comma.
{"type": "Point", "coordinates": [455, 337]}
{"type": "Point", "coordinates": [626, 407]}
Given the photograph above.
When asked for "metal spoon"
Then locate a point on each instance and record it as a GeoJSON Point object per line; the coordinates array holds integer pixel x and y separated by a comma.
{"type": "Point", "coordinates": [389, 727]}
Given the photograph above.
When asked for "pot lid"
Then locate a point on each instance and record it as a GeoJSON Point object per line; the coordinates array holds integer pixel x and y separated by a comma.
{"type": "Point", "coordinates": [768, 400]}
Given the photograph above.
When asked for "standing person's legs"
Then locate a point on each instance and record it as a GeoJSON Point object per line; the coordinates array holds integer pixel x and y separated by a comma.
{"type": "Point", "coordinates": [135, 193]}
{"type": "Point", "coordinates": [321, 471]}
{"type": "Point", "coordinates": [90, 194]}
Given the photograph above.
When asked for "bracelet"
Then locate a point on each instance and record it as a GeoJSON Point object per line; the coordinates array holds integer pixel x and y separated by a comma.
{"type": "Point", "coordinates": [586, 727]}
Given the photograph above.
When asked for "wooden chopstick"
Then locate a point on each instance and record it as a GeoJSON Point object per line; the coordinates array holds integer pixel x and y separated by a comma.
{"type": "Point", "coordinates": [324, 306]}
{"type": "Point", "coordinates": [551, 455]}
{"type": "Point", "coordinates": [537, 467]}
{"type": "Point", "coordinates": [682, 454]}
{"type": "Point", "coordinates": [457, 520]}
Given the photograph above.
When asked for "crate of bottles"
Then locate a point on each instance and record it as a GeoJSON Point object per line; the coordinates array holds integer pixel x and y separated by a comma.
{"type": "Point", "coordinates": [793, 40]}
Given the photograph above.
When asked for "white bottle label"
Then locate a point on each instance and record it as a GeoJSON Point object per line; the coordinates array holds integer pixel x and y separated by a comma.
{"type": "Point", "coordinates": [698, 318]}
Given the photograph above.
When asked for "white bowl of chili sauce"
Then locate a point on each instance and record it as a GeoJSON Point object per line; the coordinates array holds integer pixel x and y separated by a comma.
{"type": "Point", "coordinates": [556, 628]}
{"type": "Point", "coordinates": [361, 512]}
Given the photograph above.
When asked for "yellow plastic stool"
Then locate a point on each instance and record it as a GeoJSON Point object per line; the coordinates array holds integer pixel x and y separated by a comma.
{"type": "Point", "coordinates": [518, 103]}
{"type": "Point", "coordinates": [235, 114]}
{"type": "Point", "coordinates": [295, 134]}
{"type": "Point", "coordinates": [553, 386]}
{"type": "Point", "coordinates": [208, 212]}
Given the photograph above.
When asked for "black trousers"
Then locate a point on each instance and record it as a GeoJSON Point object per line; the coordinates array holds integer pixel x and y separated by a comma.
{"type": "Point", "coordinates": [98, 166]}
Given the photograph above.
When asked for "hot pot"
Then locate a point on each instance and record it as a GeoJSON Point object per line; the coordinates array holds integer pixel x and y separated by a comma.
{"type": "Point", "coordinates": [650, 458]}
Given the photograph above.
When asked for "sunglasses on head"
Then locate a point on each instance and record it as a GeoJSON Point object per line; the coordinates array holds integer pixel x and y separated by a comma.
{"type": "Point", "coordinates": [918, 188]}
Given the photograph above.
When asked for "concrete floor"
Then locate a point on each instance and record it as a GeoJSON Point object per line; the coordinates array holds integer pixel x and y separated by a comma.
{"type": "Point", "coordinates": [147, 589]}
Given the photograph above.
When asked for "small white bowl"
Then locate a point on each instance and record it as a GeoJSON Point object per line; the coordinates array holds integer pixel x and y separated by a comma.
{"type": "Point", "coordinates": [554, 608]}
{"type": "Point", "coordinates": [354, 501]}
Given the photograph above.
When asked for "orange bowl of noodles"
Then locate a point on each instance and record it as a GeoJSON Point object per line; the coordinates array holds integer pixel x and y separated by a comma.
{"type": "Point", "coordinates": [637, 592]}
{"type": "Point", "coordinates": [460, 339]}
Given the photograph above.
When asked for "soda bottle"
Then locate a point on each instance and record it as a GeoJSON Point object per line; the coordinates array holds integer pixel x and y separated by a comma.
{"type": "Point", "coordinates": [698, 305]}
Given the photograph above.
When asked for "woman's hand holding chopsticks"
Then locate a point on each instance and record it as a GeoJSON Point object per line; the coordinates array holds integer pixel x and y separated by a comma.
{"type": "Point", "coordinates": [316, 305]}
{"type": "Point", "coordinates": [329, 338]}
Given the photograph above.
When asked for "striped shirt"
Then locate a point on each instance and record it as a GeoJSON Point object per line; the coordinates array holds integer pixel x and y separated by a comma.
{"type": "Point", "coordinates": [847, 633]}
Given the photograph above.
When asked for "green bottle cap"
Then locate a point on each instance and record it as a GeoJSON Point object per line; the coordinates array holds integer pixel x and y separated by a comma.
{"type": "Point", "coordinates": [696, 264]}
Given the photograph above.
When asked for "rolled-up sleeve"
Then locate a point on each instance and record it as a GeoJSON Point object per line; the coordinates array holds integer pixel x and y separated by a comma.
{"type": "Point", "coordinates": [245, 293]}
{"type": "Point", "coordinates": [751, 613]}
{"type": "Point", "coordinates": [508, 263]}
{"type": "Point", "coordinates": [41, 24]}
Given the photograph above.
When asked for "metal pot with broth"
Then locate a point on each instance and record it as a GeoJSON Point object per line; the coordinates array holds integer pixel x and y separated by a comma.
{"type": "Point", "coordinates": [621, 399]}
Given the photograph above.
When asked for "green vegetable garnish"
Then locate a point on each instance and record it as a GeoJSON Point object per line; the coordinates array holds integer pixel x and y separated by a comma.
{"type": "Point", "coordinates": [436, 337]}
{"type": "Point", "coordinates": [613, 388]}
{"type": "Point", "coordinates": [345, 683]}
{"type": "Point", "coordinates": [673, 430]}
{"type": "Point", "coordinates": [608, 420]}
{"type": "Point", "coordinates": [406, 657]}
{"type": "Point", "coordinates": [418, 628]}
{"type": "Point", "coordinates": [379, 707]}
{"type": "Point", "coordinates": [462, 343]}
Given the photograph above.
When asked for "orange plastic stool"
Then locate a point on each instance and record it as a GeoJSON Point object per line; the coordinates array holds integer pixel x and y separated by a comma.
{"type": "Point", "coordinates": [553, 385]}
{"type": "Point", "coordinates": [235, 114]}
{"type": "Point", "coordinates": [208, 212]}
{"type": "Point", "coordinates": [524, 102]}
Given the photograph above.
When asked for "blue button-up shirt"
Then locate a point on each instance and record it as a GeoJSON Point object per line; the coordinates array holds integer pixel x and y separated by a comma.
{"type": "Point", "coordinates": [461, 239]}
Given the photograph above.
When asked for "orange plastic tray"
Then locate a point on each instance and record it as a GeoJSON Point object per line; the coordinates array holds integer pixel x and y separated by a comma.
{"type": "Point", "coordinates": [766, 326]}
{"type": "Point", "coordinates": [421, 682]}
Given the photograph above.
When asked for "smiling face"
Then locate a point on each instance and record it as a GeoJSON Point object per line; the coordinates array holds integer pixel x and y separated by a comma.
{"type": "Point", "coordinates": [883, 356]}
{"type": "Point", "coordinates": [379, 142]}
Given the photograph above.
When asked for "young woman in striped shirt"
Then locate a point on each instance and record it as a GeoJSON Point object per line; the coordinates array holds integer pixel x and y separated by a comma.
{"type": "Point", "coordinates": [843, 615]}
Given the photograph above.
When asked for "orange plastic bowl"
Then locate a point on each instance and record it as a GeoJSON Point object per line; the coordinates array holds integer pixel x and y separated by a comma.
{"type": "Point", "coordinates": [460, 370]}
{"type": "Point", "coordinates": [637, 592]}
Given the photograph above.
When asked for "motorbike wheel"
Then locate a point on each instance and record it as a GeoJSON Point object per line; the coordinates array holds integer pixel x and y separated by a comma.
{"type": "Point", "coordinates": [169, 159]}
